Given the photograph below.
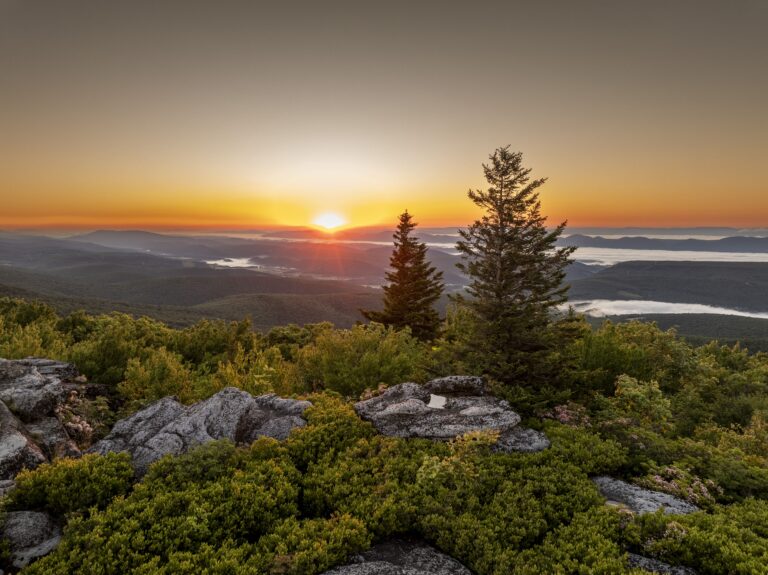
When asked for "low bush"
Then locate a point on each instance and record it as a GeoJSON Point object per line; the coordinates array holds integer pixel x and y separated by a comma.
{"type": "Point", "coordinates": [73, 485]}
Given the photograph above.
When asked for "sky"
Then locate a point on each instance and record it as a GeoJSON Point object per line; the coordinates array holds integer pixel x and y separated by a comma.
{"type": "Point", "coordinates": [246, 114]}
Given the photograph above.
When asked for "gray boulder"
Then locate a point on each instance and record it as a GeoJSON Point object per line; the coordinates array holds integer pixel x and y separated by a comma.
{"type": "Point", "coordinates": [51, 368]}
{"type": "Point", "coordinates": [413, 410]}
{"type": "Point", "coordinates": [36, 402]}
{"type": "Point", "coordinates": [457, 385]}
{"type": "Point", "coordinates": [168, 428]}
{"type": "Point", "coordinates": [49, 434]}
{"type": "Point", "coordinates": [17, 449]}
{"type": "Point", "coordinates": [31, 535]}
{"type": "Point", "coordinates": [399, 557]}
{"type": "Point", "coordinates": [27, 392]}
{"type": "Point", "coordinates": [521, 439]}
{"type": "Point", "coordinates": [656, 566]}
{"type": "Point", "coordinates": [640, 500]}
{"type": "Point", "coordinates": [6, 486]}
{"type": "Point", "coordinates": [391, 396]}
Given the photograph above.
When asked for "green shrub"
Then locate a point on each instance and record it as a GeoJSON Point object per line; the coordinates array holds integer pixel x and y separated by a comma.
{"type": "Point", "coordinates": [733, 539]}
{"type": "Point", "coordinates": [309, 546]}
{"type": "Point", "coordinates": [364, 357]}
{"type": "Point", "coordinates": [29, 329]}
{"type": "Point", "coordinates": [113, 341]}
{"type": "Point", "coordinates": [589, 544]}
{"type": "Point", "coordinates": [333, 426]}
{"type": "Point", "coordinates": [583, 448]}
{"type": "Point", "coordinates": [373, 480]}
{"type": "Point", "coordinates": [210, 342]}
{"type": "Point", "coordinates": [72, 485]}
{"type": "Point", "coordinates": [158, 374]}
{"type": "Point", "coordinates": [247, 494]}
{"type": "Point", "coordinates": [637, 349]}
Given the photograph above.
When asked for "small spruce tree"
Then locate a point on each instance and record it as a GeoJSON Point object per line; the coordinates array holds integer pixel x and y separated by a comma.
{"type": "Point", "coordinates": [414, 286]}
{"type": "Point", "coordinates": [516, 276]}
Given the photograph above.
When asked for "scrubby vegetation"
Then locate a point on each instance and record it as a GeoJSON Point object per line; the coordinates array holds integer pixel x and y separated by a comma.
{"type": "Point", "coordinates": [631, 400]}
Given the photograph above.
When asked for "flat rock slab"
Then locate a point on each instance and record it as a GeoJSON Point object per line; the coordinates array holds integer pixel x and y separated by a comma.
{"type": "Point", "coordinates": [521, 440]}
{"type": "Point", "coordinates": [446, 408]}
{"type": "Point", "coordinates": [31, 535]}
{"type": "Point", "coordinates": [457, 385]}
{"type": "Point", "coordinates": [656, 566]}
{"type": "Point", "coordinates": [400, 557]}
{"type": "Point", "coordinates": [51, 367]}
{"type": "Point", "coordinates": [641, 500]}
{"type": "Point", "coordinates": [169, 428]}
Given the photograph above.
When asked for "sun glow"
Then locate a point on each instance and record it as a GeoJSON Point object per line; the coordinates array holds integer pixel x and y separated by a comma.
{"type": "Point", "coordinates": [329, 221]}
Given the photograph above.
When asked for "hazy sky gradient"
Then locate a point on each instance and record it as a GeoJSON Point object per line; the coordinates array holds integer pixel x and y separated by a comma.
{"type": "Point", "coordinates": [243, 113]}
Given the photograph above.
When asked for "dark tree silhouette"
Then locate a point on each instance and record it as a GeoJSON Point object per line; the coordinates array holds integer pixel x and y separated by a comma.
{"type": "Point", "coordinates": [414, 286]}
{"type": "Point", "coordinates": [516, 273]}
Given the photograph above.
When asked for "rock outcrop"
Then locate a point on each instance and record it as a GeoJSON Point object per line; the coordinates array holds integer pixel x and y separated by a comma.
{"type": "Point", "coordinates": [168, 427]}
{"type": "Point", "coordinates": [400, 557]}
{"type": "Point", "coordinates": [521, 439]}
{"type": "Point", "coordinates": [31, 535]}
{"type": "Point", "coordinates": [640, 500]}
{"type": "Point", "coordinates": [34, 395]}
{"type": "Point", "coordinates": [656, 566]}
{"type": "Point", "coordinates": [17, 448]}
{"type": "Point", "coordinates": [445, 408]}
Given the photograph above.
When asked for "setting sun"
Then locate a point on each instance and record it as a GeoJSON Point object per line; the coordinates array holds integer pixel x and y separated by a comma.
{"type": "Point", "coordinates": [329, 220]}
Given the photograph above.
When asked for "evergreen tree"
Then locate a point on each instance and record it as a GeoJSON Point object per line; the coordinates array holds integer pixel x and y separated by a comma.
{"type": "Point", "coordinates": [516, 276]}
{"type": "Point", "coordinates": [414, 286]}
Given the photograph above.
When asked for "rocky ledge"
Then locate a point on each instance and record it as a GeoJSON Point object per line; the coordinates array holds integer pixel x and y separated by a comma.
{"type": "Point", "coordinates": [640, 500]}
{"type": "Point", "coordinates": [446, 408]}
{"type": "Point", "coordinates": [169, 428]}
{"type": "Point", "coordinates": [656, 566]}
{"type": "Point", "coordinates": [400, 557]}
{"type": "Point", "coordinates": [37, 415]}
{"type": "Point", "coordinates": [30, 535]}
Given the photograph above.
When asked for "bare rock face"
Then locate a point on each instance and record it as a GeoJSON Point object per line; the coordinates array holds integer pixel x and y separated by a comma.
{"type": "Point", "coordinates": [27, 392]}
{"type": "Point", "coordinates": [31, 535]}
{"type": "Point", "coordinates": [521, 439]}
{"type": "Point", "coordinates": [17, 449]}
{"type": "Point", "coordinates": [656, 566]}
{"type": "Point", "coordinates": [446, 408]}
{"type": "Point", "coordinates": [6, 486]}
{"type": "Point", "coordinates": [457, 385]}
{"type": "Point", "coordinates": [34, 398]}
{"type": "Point", "coordinates": [640, 500]}
{"type": "Point", "coordinates": [400, 557]}
{"type": "Point", "coordinates": [51, 436]}
{"type": "Point", "coordinates": [168, 428]}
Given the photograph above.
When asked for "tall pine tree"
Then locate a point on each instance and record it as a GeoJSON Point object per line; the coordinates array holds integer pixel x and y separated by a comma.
{"type": "Point", "coordinates": [414, 286]}
{"type": "Point", "coordinates": [516, 276]}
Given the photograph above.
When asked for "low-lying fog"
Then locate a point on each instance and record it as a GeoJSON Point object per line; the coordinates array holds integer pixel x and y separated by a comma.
{"type": "Point", "coordinates": [605, 307]}
{"type": "Point", "coordinates": [610, 256]}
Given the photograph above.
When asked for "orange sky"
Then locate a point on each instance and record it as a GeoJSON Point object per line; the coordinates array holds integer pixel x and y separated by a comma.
{"type": "Point", "coordinates": [194, 114]}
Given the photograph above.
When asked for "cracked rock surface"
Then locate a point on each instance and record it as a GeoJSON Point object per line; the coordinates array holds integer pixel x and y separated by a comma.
{"type": "Point", "coordinates": [30, 534]}
{"type": "Point", "coordinates": [446, 408]}
{"type": "Point", "coordinates": [34, 395]}
{"type": "Point", "coordinates": [400, 557]}
{"type": "Point", "coordinates": [656, 566]}
{"type": "Point", "coordinates": [641, 500]}
{"type": "Point", "coordinates": [169, 428]}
